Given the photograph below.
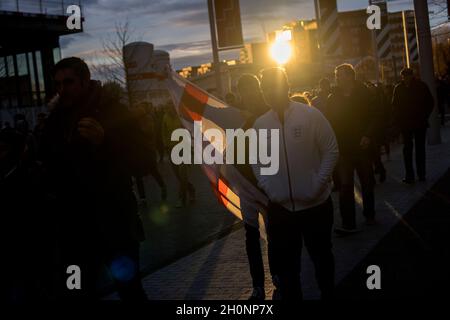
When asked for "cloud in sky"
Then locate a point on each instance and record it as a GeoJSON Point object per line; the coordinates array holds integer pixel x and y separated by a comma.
{"type": "Point", "coordinates": [181, 26]}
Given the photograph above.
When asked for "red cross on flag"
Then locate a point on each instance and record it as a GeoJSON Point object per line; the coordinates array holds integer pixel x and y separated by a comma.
{"type": "Point", "coordinates": [240, 196]}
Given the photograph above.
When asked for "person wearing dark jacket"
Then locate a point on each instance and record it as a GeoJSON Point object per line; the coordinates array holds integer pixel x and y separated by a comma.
{"type": "Point", "coordinates": [352, 115]}
{"type": "Point", "coordinates": [252, 105]}
{"type": "Point", "coordinates": [412, 104]}
{"type": "Point", "coordinates": [380, 139]}
{"type": "Point", "coordinates": [320, 101]}
{"type": "Point", "coordinates": [146, 122]}
{"type": "Point", "coordinates": [26, 232]}
{"type": "Point", "coordinates": [90, 149]}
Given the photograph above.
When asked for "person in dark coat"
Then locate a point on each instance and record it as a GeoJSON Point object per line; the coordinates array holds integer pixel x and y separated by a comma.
{"type": "Point", "coordinates": [320, 101]}
{"type": "Point", "coordinates": [26, 231]}
{"type": "Point", "coordinates": [351, 113]}
{"type": "Point", "coordinates": [146, 122]}
{"type": "Point", "coordinates": [252, 104]}
{"type": "Point", "coordinates": [412, 105]}
{"type": "Point", "coordinates": [380, 139]}
{"type": "Point", "coordinates": [90, 149]}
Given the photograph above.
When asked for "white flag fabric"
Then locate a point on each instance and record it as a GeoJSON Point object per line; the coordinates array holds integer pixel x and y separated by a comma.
{"type": "Point", "coordinates": [240, 196]}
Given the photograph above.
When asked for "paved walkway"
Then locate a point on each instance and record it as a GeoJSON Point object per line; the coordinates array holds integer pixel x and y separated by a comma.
{"type": "Point", "coordinates": [220, 269]}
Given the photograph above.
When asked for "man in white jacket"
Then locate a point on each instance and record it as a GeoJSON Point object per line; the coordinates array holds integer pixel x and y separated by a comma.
{"type": "Point", "coordinates": [300, 204]}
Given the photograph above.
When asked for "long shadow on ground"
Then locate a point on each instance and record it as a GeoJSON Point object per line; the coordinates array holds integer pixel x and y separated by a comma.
{"type": "Point", "coordinates": [414, 257]}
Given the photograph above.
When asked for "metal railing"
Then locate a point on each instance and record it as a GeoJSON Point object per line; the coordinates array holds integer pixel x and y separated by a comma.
{"type": "Point", "coordinates": [50, 7]}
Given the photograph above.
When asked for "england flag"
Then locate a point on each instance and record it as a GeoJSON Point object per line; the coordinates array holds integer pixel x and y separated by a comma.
{"type": "Point", "coordinates": [241, 197]}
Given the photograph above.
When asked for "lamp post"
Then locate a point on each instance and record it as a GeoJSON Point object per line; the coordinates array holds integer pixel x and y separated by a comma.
{"type": "Point", "coordinates": [215, 50]}
{"type": "Point", "coordinates": [426, 64]}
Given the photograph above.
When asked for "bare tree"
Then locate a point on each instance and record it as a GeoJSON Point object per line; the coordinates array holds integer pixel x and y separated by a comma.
{"type": "Point", "coordinates": [438, 13]}
{"type": "Point", "coordinates": [110, 65]}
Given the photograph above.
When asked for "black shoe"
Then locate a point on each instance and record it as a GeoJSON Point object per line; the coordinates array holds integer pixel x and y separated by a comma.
{"type": "Point", "coordinates": [258, 294]}
{"type": "Point", "coordinates": [408, 180]}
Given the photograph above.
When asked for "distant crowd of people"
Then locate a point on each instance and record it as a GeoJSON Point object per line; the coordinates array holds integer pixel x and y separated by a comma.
{"type": "Point", "coordinates": [326, 137]}
{"type": "Point", "coordinates": [66, 187]}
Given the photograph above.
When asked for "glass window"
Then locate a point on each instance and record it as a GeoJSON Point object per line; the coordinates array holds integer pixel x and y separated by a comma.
{"type": "Point", "coordinates": [35, 99]}
{"type": "Point", "coordinates": [56, 55]}
{"type": "Point", "coordinates": [32, 76]}
{"type": "Point", "coordinates": [40, 71]}
{"type": "Point", "coordinates": [22, 68]}
{"type": "Point", "coordinates": [2, 67]}
{"type": "Point", "coordinates": [10, 64]}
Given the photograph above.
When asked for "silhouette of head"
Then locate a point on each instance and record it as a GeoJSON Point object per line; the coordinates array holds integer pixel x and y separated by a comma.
{"type": "Point", "coordinates": [345, 75]}
{"type": "Point", "coordinates": [275, 87]}
{"type": "Point", "coordinates": [72, 77]}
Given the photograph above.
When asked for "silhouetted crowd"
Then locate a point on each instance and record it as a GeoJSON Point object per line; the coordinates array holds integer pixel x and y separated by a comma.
{"type": "Point", "coordinates": [67, 187]}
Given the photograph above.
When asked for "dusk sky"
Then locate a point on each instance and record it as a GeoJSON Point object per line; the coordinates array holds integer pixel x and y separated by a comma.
{"type": "Point", "coordinates": [181, 26]}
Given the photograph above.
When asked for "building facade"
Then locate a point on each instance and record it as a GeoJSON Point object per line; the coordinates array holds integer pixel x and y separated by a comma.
{"type": "Point", "coordinates": [29, 47]}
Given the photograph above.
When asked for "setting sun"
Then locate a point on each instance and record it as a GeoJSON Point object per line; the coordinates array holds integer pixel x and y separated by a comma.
{"type": "Point", "coordinates": [281, 52]}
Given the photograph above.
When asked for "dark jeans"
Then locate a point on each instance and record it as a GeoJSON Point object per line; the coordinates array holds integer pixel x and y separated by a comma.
{"type": "Point", "coordinates": [376, 159]}
{"type": "Point", "coordinates": [286, 231]}
{"type": "Point", "coordinates": [345, 170]}
{"type": "Point", "coordinates": [410, 138]}
{"type": "Point", "coordinates": [255, 260]}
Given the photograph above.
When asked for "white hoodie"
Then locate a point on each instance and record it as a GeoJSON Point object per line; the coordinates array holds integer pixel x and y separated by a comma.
{"type": "Point", "coordinates": [308, 153]}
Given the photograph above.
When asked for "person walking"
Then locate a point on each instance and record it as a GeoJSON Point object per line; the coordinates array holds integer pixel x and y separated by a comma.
{"type": "Point", "coordinates": [252, 104]}
{"type": "Point", "coordinates": [412, 104]}
{"type": "Point", "coordinates": [351, 112]}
